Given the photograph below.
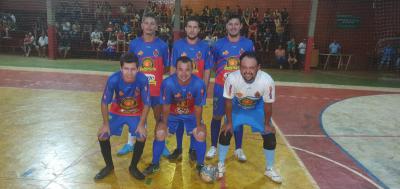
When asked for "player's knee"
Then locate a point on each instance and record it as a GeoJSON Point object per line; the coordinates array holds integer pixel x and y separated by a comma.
{"type": "Point", "coordinates": [141, 139]}
{"type": "Point", "coordinates": [160, 134]}
{"type": "Point", "coordinates": [200, 136]}
{"type": "Point", "coordinates": [225, 139]}
{"type": "Point", "coordinates": [269, 141]}
{"type": "Point", "coordinates": [217, 117]}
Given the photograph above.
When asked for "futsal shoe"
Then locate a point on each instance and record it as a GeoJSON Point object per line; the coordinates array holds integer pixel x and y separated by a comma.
{"type": "Point", "coordinates": [274, 176]}
{"type": "Point", "coordinates": [104, 172]}
{"type": "Point", "coordinates": [127, 148]}
{"type": "Point", "coordinates": [192, 155]}
{"type": "Point", "coordinates": [212, 152]}
{"type": "Point", "coordinates": [240, 155]}
{"type": "Point", "coordinates": [221, 170]}
{"type": "Point", "coordinates": [176, 155]}
{"type": "Point", "coordinates": [152, 168]}
{"type": "Point", "coordinates": [134, 171]}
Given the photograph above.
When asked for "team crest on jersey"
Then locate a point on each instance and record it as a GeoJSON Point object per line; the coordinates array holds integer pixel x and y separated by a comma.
{"type": "Point", "coordinates": [247, 102]}
{"type": "Point", "coordinates": [121, 93]}
{"type": "Point", "coordinates": [140, 53]}
{"type": "Point", "coordinates": [128, 105]}
{"type": "Point", "coordinates": [225, 52]}
{"type": "Point", "coordinates": [198, 55]}
{"type": "Point", "coordinates": [183, 54]}
{"type": "Point", "coordinates": [155, 52]}
{"type": "Point", "coordinates": [232, 63]}
{"type": "Point", "coordinates": [257, 95]}
{"type": "Point", "coordinates": [241, 51]}
{"type": "Point", "coordinates": [189, 95]}
{"type": "Point", "coordinates": [147, 64]}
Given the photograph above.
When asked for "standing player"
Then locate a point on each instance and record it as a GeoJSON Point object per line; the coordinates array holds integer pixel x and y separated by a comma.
{"type": "Point", "coordinates": [199, 52]}
{"type": "Point", "coordinates": [153, 58]}
{"type": "Point", "coordinates": [183, 96]}
{"type": "Point", "coordinates": [226, 54]}
{"type": "Point", "coordinates": [249, 95]}
{"type": "Point", "coordinates": [128, 93]}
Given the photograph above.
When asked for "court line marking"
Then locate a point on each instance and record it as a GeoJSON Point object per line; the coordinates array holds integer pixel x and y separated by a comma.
{"type": "Point", "coordinates": [278, 83]}
{"type": "Point", "coordinates": [338, 164]}
{"type": "Point", "coordinates": [308, 174]}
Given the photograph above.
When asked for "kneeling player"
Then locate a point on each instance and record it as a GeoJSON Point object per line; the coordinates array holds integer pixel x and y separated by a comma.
{"type": "Point", "coordinates": [183, 96]}
{"type": "Point", "coordinates": [128, 93]}
{"type": "Point", "coordinates": [249, 95]}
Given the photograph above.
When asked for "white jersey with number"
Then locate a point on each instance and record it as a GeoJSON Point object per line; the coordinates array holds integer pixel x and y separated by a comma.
{"type": "Point", "coordinates": [247, 95]}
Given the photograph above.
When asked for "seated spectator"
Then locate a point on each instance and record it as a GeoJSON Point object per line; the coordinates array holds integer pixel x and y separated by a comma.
{"type": "Point", "coordinates": [29, 43]}
{"type": "Point", "coordinates": [96, 39]}
{"type": "Point", "coordinates": [302, 51]}
{"type": "Point", "coordinates": [388, 54]}
{"type": "Point", "coordinates": [64, 44]}
{"type": "Point", "coordinates": [120, 40]}
{"type": "Point", "coordinates": [252, 34]}
{"type": "Point", "coordinates": [109, 51]}
{"type": "Point", "coordinates": [280, 56]}
{"type": "Point", "coordinates": [334, 47]}
{"type": "Point", "coordinates": [266, 37]}
{"type": "Point", "coordinates": [43, 43]}
{"type": "Point", "coordinates": [292, 60]}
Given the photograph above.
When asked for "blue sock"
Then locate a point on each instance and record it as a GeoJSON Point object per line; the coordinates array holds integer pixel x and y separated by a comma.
{"type": "Point", "coordinates": [179, 136]}
{"type": "Point", "coordinates": [192, 142]}
{"type": "Point", "coordinates": [269, 158]}
{"type": "Point", "coordinates": [158, 147]}
{"type": "Point", "coordinates": [238, 137]}
{"type": "Point", "coordinates": [200, 148]}
{"type": "Point", "coordinates": [215, 128]}
{"type": "Point", "coordinates": [222, 151]}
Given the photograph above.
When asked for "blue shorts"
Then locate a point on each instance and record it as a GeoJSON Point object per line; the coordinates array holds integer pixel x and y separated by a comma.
{"type": "Point", "coordinates": [218, 101]}
{"type": "Point", "coordinates": [155, 100]}
{"type": "Point", "coordinates": [117, 123]}
{"type": "Point", "coordinates": [187, 121]}
{"type": "Point", "coordinates": [251, 117]}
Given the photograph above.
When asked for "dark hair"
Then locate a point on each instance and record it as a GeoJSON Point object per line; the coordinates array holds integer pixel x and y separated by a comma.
{"type": "Point", "coordinates": [184, 59]}
{"type": "Point", "coordinates": [192, 18]}
{"type": "Point", "coordinates": [128, 58]}
{"type": "Point", "coordinates": [249, 54]}
{"type": "Point", "coordinates": [149, 16]}
{"type": "Point", "coordinates": [234, 16]}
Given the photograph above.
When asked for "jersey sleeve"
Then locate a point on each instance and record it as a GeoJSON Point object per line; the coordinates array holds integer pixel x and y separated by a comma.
{"type": "Point", "coordinates": [228, 87]}
{"type": "Point", "coordinates": [269, 94]}
{"type": "Point", "coordinates": [145, 92]}
{"type": "Point", "coordinates": [166, 92]}
{"type": "Point", "coordinates": [208, 59]}
{"type": "Point", "coordinates": [174, 55]}
{"type": "Point", "coordinates": [200, 99]}
{"type": "Point", "coordinates": [108, 92]}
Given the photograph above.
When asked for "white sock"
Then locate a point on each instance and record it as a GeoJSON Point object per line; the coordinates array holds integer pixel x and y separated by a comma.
{"type": "Point", "coordinates": [130, 139]}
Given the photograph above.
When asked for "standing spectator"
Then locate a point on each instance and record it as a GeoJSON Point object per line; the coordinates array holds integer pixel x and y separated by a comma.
{"type": "Point", "coordinates": [96, 39]}
{"type": "Point", "coordinates": [388, 54]}
{"type": "Point", "coordinates": [65, 44]}
{"type": "Point", "coordinates": [334, 47]}
{"type": "Point", "coordinates": [302, 51]}
{"type": "Point", "coordinates": [280, 56]}
{"type": "Point", "coordinates": [43, 43]}
{"type": "Point", "coordinates": [291, 45]}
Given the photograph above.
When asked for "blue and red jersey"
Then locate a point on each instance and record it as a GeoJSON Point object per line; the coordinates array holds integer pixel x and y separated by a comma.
{"type": "Point", "coordinates": [199, 53]}
{"type": "Point", "coordinates": [183, 98]}
{"type": "Point", "coordinates": [126, 99]}
{"type": "Point", "coordinates": [226, 56]}
{"type": "Point", "coordinates": [153, 57]}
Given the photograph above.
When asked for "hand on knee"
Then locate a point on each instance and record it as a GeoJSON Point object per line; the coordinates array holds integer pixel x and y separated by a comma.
{"type": "Point", "coordinates": [199, 134]}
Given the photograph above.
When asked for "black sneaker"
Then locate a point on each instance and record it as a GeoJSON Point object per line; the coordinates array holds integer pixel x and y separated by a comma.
{"type": "Point", "coordinates": [192, 155]}
{"type": "Point", "coordinates": [177, 154]}
{"type": "Point", "coordinates": [199, 167]}
{"type": "Point", "coordinates": [152, 168]}
{"type": "Point", "coordinates": [104, 172]}
{"type": "Point", "coordinates": [134, 171]}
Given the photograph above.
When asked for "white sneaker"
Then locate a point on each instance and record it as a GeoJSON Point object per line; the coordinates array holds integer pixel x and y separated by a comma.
{"type": "Point", "coordinates": [221, 170]}
{"type": "Point", "coordinates": [270, 173]}
{"type": "Point", "coordinates": [240, 154]}
{"type": "Point", "coordinates": [212, 152]}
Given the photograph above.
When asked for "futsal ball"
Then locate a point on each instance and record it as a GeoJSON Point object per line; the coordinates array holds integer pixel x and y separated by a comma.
{"type": "Point", "coordinates": [104, 136]}
{"type": "Point", "coordinates": [208, 173]}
